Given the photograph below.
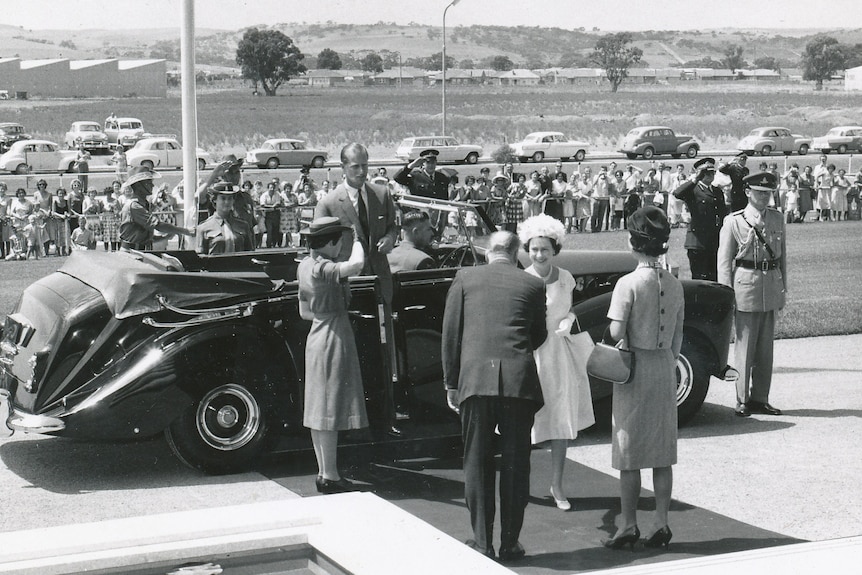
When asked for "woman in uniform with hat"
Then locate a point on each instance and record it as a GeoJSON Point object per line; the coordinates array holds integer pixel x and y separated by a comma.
{"type": "Point", "coordinates": [137, 223]}
{"type": "Point", "coordinates": [334, 395]}
{"type": "Point", "coordinates": [223, 232]}
{"type": "Point", "coordinates": [646, 311]}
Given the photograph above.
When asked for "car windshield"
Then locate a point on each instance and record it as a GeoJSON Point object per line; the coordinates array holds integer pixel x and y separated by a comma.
{"type": "Point", "coordinates": [268, 145]}
{"type": "Point", "coordinates": [88, 128]}
{"type": "Point", "coordinates": [459, 223]}
{"type": "Point", "coordinates": [755, 132]}
{"type": "Point", "coordinates": [13, 129]}
{"type": "Point", "coordinates": [532, 138]}
{"type": "Point", "coordinates": [835, 132]}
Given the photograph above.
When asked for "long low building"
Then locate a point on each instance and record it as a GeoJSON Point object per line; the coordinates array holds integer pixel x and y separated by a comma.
{"type": "Point", "coordinates": [63, 78]}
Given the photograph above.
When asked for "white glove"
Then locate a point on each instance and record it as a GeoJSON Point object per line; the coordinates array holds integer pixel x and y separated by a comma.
{"type": "Point", "coordinates": [565, 327]}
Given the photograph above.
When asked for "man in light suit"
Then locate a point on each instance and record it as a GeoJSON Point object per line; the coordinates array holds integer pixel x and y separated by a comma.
{"type": "Point", "coordinates": [752, 260]}
{"type": "Point", "coordinates": [410, 254]}
{"type": "Point", "coordinates": [367, 208]}
{"type": "Point", "coordinates": [494, 319]}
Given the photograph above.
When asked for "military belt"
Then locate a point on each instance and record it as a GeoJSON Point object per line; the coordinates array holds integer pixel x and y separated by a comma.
{"type": "Point", "coordinates": [762, 265]}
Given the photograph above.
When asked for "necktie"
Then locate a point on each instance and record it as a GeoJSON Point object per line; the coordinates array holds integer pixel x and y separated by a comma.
{"type": "Point", "coordinates": [229, 238]}
{"type": "Point", "coordinates": [363, 214]}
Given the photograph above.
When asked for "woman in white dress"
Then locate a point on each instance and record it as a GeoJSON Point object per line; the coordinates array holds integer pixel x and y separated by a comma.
{"type": "Point", "coordinates": [562, 371]}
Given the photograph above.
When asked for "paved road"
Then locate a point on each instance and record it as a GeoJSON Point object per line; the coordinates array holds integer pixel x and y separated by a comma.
{"type": "Point", "coordinates": [797, 474]}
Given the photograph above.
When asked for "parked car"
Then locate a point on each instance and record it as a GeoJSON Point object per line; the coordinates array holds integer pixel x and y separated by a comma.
{"type": "Point", "coordinates": [26, 156]}
{"type": "Point", "coordinates": [841, 140]}
{"type": "Point", "coordinates": [86, 135]}
{"type": "Point", "coordinates": [449, 149]}
{"type": "Point", "coordinates": [209, 350]}
{"type": "Point", "coordinates": [162, 152]}
{"type": "Point", "coordinates": [10, 132]}
{"type": "Point", "coordinates": [765, 141]}
{"type": "Point", "coordinates": [277, 152]}
{"type": "Point", "coordinates": [540, 146]}
{"type": "Point", "coordinates": [124, 131]}
{"type": "Point", "coordinates": [649, 141]}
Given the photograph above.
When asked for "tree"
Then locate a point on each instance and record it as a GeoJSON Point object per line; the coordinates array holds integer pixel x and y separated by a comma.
{"type": "Point", "coordinates": [822, 58]}
{"type": "Point", "coordinates": [614, 55]}
{"type": "Point", "coordinates": [573, 60]}
{"type": "Point", "coordinates": [435, 62]}
{"type": "Point", "coordinates": [852, 56]}
{"type": "Point", "coordinates": [502, 63]}
{"type": "Point", "coordinates": [466, 64]}
{"type": "Point", "coordinates": [268, 57]}
{"type": "Point", "coordinates": [372, 62]}
{"type": "Point", "coordinates": [767, 63]}
{"type": "Point", "coordinates": [733, 60]}
{"type": "Point", "coordinates": [328, 59]}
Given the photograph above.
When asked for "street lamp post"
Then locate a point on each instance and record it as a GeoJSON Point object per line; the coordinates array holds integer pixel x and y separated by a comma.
{"type": "Point", "coordinates": [452, 3]}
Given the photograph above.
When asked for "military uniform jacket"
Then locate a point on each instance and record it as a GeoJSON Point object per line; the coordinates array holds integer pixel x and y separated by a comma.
{"type": "Point", "coordinates": [756, 289]}
{"type": "Point", "coordinates": [421, 184]}
{"type": "Point", "coordinates": [708, 210]}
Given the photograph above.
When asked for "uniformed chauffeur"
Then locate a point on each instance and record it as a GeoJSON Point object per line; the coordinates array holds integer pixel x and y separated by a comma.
{"type": "Point", "coordinates": [137, 221]}
{"type": "Point", "coordinates": [752, 260]}
{"type": "Point", "coordinates": [422, 178]}
{"type": "Point", "coordinates": [223, 232]}
{"type": "Point", "coordinates": [707, 207]}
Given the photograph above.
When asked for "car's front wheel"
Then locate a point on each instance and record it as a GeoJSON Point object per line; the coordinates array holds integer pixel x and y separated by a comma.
{"type": "Point", "coordinates": [22, 169]}
{"type": "Point", "coordinates": [272, 164]}
{"type": "Point", "coordinates": [538, 157]}
{"type": "Point", "coordinates": [648, 153]}
{"type": "Point", "coordinates": [580, 155]}
{"type": "Point", "coordinates": [691, 152]}
{"type": "Point", "coordinates": [803, 149]}
{"type": "Point", "coordinates": [318, 161]}
{"type": "Point", "coordinates": [225, 430]}
{"type": "Point", "coordinates": [765, 150]}
{"type": "Point", "coordinates": [472, 158]}
{"type": "Point", "coordinates": [842, 149]}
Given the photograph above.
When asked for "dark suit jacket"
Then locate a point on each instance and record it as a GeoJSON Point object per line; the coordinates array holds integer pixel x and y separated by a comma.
{"type": "Point", "coordinates": [494, 319]}
{"type": "Point", "coordinates": [421, 184]}
{"type": "Point", "coordinates": [381, 216]}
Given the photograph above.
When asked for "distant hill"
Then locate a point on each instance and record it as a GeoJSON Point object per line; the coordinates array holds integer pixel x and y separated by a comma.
{"type": "Point", "coordinates": [530, 47]}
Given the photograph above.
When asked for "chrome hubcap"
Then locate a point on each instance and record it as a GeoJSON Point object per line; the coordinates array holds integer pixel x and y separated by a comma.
{"type": "Point", "coordinates": [228, 417]}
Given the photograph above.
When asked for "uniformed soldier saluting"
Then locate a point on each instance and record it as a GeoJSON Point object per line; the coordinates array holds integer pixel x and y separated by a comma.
{"type": "Point", "coordinates": [707, 207]}
{"type": "Point", "coordinates": [422, 178]}
{"type": "Point", "coordinates": [751, 260]}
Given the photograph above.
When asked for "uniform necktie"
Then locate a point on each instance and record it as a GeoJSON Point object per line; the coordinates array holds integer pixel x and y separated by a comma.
{"type": "Point", "coordinates": [229, 238]}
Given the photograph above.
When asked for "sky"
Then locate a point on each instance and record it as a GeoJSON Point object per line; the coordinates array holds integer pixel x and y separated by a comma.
{"type": "Point", "coordinates": [610, 15]}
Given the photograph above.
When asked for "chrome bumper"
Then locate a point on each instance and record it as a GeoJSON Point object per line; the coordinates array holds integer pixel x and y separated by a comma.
{"type": "Point", "coordinates": [5, 430]}
{"type": "Point", "coordinates": [27, 422]}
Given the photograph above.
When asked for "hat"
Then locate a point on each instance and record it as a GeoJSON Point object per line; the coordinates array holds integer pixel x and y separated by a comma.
{"type": "Point", "coordinates": [225, 188]}
{"type": "Point", "coordinates": [649, 222]}
{"type": "Point", "coordinates": [139, 174]}
{"type": "Point", "coordinates": [234, 162]}
{"type": "Point", "coordinates": [324, 226]}
{"type": "Point", "coordinates": [500, 176]}
{"type": "Point", "coordinates": [761, 181]}
{"type": "Point", "coordinates": [707, 164]}
{"type": "Point", "coordinates": [541, 226]}
{"type": "Point", "coordinates": [429, 154]}
{"type": "Point", "coordinates": [485, 170]}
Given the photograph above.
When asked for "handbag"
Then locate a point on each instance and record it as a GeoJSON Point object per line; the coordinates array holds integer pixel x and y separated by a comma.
{"type": "Point", "coordinates": [611, 363]}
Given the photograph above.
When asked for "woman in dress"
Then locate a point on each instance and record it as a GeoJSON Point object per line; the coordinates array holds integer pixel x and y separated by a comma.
{"type": "Point", "coordinates": [533, 194]}
{"type": "Point", "coordinates": [568, 407]}
{"type": "Point", "coordinates": [838, 201]}
{"type": "Point", "coordinates": [807, 192]}
{"type": "Point", "coordinates": [497, 199]}
{"type": "Point", "coordinates": [582, 198]}
{"type": "Point", "coordinates": [825, 183]}
{"type": "Point", "coordinates": [60, 214]}
{"type": "Point", "coordinates": [646, 312]}
{"type": "Point", "coordinates": [334, 395]}
{"type": "Point", "coordinates": [515, 205]}
{"type": "Point", "coordinates": [5, 223]}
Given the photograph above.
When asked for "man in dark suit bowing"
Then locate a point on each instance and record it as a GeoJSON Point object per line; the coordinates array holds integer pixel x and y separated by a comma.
{"type": "Point", "coordinates": [494, 319]}
{"type": "Point", "coordinates": [369, 209]}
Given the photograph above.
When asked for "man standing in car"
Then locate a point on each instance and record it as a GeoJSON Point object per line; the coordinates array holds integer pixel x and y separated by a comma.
{"type": "Point", "coordinates": [422, 178]}
{"type": "Point", "coordinates": [137, 222]}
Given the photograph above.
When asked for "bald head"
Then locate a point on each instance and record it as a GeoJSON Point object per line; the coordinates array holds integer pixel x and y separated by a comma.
{"type": "Point", "coordinates": [503, 246]}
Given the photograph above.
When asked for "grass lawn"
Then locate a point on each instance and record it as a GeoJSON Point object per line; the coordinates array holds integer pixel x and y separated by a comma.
{"type": "Point", "coordinates": [824, 267]}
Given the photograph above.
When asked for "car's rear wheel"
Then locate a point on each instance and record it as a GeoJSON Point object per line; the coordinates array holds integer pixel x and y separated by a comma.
{"type": "Point", "coordinates": [580, 155]}
{"type": "Point", "coordinates": [22, 169]}
{"type": "Point", "coordinates": [272, 164]}
{"type": "Point", "coordinates": [147, 164]}
{"type": "Point", "coordinates": [472, 158]}
{"type": "Point", "coordinates": [765, 150]}
{"type": "Point", "coordinates": [225, 430]}
{"type": "Point", "coordinates": [803, 149]}
{"type": "Point", "coordinates": [692, 381]}
{"type": "Point", "coordinates": [318, 161]}
{"type": "Point", "coordinates": [202, 164]}
{"type": "Point", "coordinates": [691, 152]}
{"type": "Point", "coordinates": [648, 153]}
{"type": "Point", "coordinates": [538, 157]}
{"type": "Point", "coordinates": [842, 149]}
{"type": "Point", "coordinates": [70, 169]}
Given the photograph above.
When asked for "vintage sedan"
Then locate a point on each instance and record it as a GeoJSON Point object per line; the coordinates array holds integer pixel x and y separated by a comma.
{"type": "Point", "coordinates": [26, 156]}
{"type": "Point", "coordinates": [649, 141]}
{"type": "Point", "coordinates": [765, 141]}
{"type": "Point", "coordinates": [209, 350]}
{"type": "Point", "coordinates": [448, 149]}
{"type": "Point", "coordinates": [162, 152]}
{"type": "Point", "coordinates": [11, 132]}
{"type": "Point", "coordinates": [86, 135]}
{"type": "Point", "coordinates": [278, 152]}
{"type": "Point", "coordinates": [540, 146]}
{"type": "Point", "coordinates": [841, 139]}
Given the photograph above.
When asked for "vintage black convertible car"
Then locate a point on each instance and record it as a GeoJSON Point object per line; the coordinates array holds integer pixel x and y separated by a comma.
{"type": "Point", "coordinates": [210, 350]}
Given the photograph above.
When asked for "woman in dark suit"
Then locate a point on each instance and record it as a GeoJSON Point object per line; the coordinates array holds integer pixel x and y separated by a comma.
{"type": "Point", "coordinates": [646, 311]}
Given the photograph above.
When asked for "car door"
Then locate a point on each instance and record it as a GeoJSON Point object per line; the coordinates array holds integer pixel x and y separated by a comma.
{"type": "Point", "coordinates": [173, 154]}
{"type": "Point", "coordinates": [855, 136]}
{"type": "Point", "coordinates": [784, 141]}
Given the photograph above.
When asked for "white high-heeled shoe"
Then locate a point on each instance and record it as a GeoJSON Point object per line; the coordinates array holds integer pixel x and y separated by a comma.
{"type": "Point", "coordinates": [562, 504]}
